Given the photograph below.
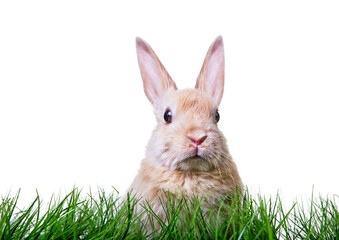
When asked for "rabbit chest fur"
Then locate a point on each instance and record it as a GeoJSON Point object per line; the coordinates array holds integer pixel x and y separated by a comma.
{"type": "Point", "coordinates": [151, 182]}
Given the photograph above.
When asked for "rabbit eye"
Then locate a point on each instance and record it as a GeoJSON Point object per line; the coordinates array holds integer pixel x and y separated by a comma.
{"type": "Point", "coordinates": [217, 116]}
{"type": "Point", "coordinates": [168, 116]}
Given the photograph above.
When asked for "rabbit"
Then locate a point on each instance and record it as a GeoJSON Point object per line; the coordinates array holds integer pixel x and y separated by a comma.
{"type": "Point", "coordinates": [187, 152]}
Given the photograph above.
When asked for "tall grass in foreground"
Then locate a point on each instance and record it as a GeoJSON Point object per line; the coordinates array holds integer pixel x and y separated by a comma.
{"type": "Point", "coordinates": [103, 216]}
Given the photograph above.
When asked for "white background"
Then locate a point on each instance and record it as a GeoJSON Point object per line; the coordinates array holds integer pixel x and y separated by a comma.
{"type": "Point", "coordinates": [73, 111]}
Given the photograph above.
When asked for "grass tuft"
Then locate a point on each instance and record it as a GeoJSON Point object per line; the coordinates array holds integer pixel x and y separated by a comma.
{"type": "Point", "coordinates": [105, 216]}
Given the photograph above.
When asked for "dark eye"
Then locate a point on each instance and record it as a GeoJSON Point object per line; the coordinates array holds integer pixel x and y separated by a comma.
{"type": "Point", "coordinates": [168, 116]}
{"type": "Point", "coordinates": [217, 116]}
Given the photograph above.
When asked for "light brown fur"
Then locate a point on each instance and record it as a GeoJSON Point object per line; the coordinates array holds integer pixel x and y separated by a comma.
{"type": "Point", "coordinates": [153, 181]}
{"type": "Point", "coordinates": [174, 162]}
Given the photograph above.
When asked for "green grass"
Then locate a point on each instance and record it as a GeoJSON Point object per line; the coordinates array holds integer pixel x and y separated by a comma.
{"type": "Point", "coordinates": [104, 216]}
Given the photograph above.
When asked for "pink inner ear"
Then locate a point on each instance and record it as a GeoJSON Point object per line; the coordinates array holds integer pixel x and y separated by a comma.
{"type": "Point", "coordinates": [211, 77]}
{"type": "Point", "coordinates": [149, 70]}
{"type": "Point", "coordinates": [154, 76]}
{"type": "Point", "coordinates": [215, 71]}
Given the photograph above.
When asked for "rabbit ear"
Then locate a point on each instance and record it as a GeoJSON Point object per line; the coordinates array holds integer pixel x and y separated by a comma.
{"type": "Point", "coordinates": [154, 76]}
{"type": "Point", "coordinates": [211, 77]}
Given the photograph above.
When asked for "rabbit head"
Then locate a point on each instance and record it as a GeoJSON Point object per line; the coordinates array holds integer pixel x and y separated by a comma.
{"type": "Point", "coordinates": [186, 137]}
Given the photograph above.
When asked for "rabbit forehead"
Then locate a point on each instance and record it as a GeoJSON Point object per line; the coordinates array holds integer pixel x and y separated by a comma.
{"type": "Point", "coordinates": [191, 100]}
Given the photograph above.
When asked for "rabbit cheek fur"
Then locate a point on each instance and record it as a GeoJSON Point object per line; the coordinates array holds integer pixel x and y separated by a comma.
{"type": "Point", "coordinates": [173, 163]}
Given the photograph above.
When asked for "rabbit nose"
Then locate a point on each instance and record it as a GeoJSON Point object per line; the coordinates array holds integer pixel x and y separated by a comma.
{"type": "Point", "coordinates": [198, 141]}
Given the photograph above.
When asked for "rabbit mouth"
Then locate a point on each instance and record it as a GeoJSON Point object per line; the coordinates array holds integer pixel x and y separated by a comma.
{"type": "Point", "coordinates": [195, 156]}
{"type": "Point", "coordinates": [195, 163]}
